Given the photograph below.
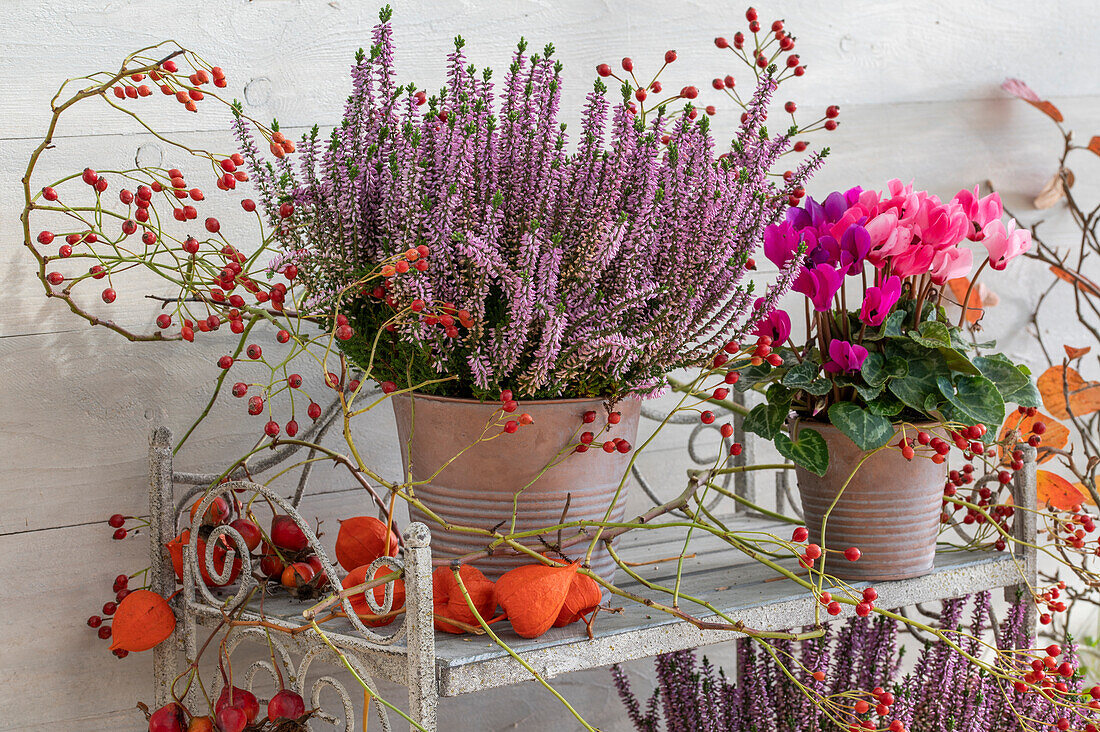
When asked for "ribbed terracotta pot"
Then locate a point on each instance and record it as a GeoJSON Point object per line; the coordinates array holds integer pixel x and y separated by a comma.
{"type": "Point", "coordinates": [478, 488]}
{"type": "Point", "coordinates": [890, 510]}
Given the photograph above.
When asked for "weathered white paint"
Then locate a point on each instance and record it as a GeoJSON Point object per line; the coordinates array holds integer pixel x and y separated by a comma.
{"type": "Point", "coordinates": [918, 86]}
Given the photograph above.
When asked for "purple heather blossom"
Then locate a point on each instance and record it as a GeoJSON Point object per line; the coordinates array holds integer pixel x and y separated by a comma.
{"type": "Point", "coordinates": [844, 356]}
{"type": "Point", "coordinates": [879, 300]}
{"type": "Point", "coordinates": [611, 254]}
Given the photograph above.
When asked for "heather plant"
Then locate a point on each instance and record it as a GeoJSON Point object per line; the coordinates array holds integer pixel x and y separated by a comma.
{"type": "Point", "coordinates": [940, 693]}
{"type": "Point", "coordinates": [589, 266]}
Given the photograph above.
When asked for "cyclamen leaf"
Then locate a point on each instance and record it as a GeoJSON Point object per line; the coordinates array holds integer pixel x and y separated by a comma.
{"type": "Point", "coordinates": [874, 369]}
{"type": "Point", "coordinates": [867, 393]}
{"type": "Point", "coordinates": [919, 384]}
{"type": "Point", "coordinates": [1003, 373]}
{"type": "Point", "coordinates": [976, 397]}
{"type": "Point", "coordinates": [932, 334]}
{"type": "Point", "coordinates": [957, 361]}
{"type": "Point", "coordinates": [801, 375]}
{"type": "Point", "coordinates": [868, 431]}
{"type": "Point", "coordinates": [886, 405]}
{"type": "Point", "coordinates": [808, 451]}
{"type": "Point", "coordinates": [766, 419]}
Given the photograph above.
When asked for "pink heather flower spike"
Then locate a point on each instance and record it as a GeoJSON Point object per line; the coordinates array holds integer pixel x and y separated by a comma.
{"type": "Point", "coordinates": [1004, 243]}
{"type": "Point", "coordinates": [845, 357]}
{"type": "Point", "coordinates": [1017, 88]}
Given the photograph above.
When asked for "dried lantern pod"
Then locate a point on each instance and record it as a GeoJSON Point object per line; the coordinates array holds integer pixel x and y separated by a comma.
{"type": "Point", "coordinates": [359, 603]}
{"type": "Point", "coordinates": [361, 540]}
{"type": "Point", "coordinates": [143, 619]}
{"type": "Point", "coordinates": [449, 602]}
{"type": "Point", "coordinates": [533, 595]}
{"type": "Point", "coordinates": [584, 597]}
{"type": "Point", "coordinates": [175, 551]}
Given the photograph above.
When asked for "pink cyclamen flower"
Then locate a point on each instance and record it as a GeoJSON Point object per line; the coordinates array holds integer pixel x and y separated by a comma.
{"type": "Point", "coordinates": [914, 259]}
{"type": "Point", "coordinates": [1017, 88]}
{"type": "Point", "coordinates": [980, 211]}
{"type": "Point", "coordinates": [845, 357]}
{"type": "Point", "coordinates": [776, 326]}
{"type": "Point", "coordinates": [1004, 243]}
{"type": "Point", "coordinates": [879, 300]}
{"type": "Point", "coordinates": [781, 242]}
{"type": "Point", "coordinates": [951, 263]}
{"type": "Point", "coordinates": [820, 284]}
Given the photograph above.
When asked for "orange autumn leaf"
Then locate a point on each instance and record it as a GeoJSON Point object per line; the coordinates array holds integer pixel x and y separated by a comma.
{"type": "Point", "coordinates": [1094, 144]}
{"type": "Point", "coordinates": [359, 604]}
{"type": "Point", "coordinates": [361, 540]}
{"type": "Point", "coordinates": [449, 602]}
{"type": "Point", "coordinates": [533, 595]}
{"type": "Point", "coordinates": [1047, 108]}
{"type": "Point", "coordinates": [1076, 280]}
{"type": "Point", "coordinates": [1058, 381]}
{"type": "Point", "coordinates": [959, 286]}
{"type": "Point", "coordinates": [1056, 435]}
{"type": "Point", "coordinates": [1085, 492]}
{"type": "Point", "coordinates": [142, 620]}
{"type": "Point", "coordinates": [1075, 353]}
{"type": "Point", "coordinates": [1056, 491]}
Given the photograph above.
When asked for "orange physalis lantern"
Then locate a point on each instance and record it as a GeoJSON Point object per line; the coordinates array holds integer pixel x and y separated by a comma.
{"type": "Point", "coordinates": [175, 550]}
{"type": "Point", "coordinates": [143, 619]}
{"type": "Point", "coordinates": [584, 597]}
{"type": "Point", "coordinates": [448, 601]}
{"type": "Point", "coordinates": [359, 604]}
{"type": "Point", "coordinates": [363, 539]}
{"type": "Point", "coordinates": [533, 596]}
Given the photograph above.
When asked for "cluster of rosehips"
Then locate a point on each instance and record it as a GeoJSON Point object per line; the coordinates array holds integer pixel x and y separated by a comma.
{"type": "Point", "coordinates": [1051, 677]}
{"type": "Point", "coordinates": [642, 91]}
{"type": "Point", "coordinates": [508, 405]}
{"type": "Point", "coordinates": [812, 553]}
{"type": "Point", "coordinates": [613, 445]}
{"type": "Point", "coordinates": [121, 588]}
{"type": "Point", "coordinates": [282, 555]}
{"type": "Point", "coordinates": [883, 700]}
{"type": "Point", "coordinates": [132, 88]}
{"type": "Point", "coordinates": [236, 710]}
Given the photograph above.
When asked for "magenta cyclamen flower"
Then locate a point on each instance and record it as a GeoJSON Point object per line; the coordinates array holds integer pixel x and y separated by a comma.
{"type": "Point", "coordinates": [879, 300]}
{"type": "Point", "coordinates": [980, 211]}
{"type": "Point", "coordinates": [820, 284]}
{"type": "Point", "coordinates": [845, 357]}
{"type": "Point", "coordinates": [776, 326]}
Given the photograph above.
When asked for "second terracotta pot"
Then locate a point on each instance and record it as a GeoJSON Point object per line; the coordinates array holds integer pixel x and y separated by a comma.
{"type": "Point", "coordinates": [890, 510]}
{"type": "Point", "coordinates": [480, 486]}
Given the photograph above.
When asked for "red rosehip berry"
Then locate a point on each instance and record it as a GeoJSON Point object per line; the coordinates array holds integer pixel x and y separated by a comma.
{"type": "Point", "coordinates": [800, 535]}
{"type": "Point", "coordinates": [670, 56]}
{"type": "Point", "coordinates": [109, 295]}
{"type": "Point", "coordinates": [589, 417]}
{"type": "Point", "coordinates": [388, 387]}
{"type": "Point", "coordinates": [271, 429]}
{"type": "Point", "coordinates": [254, 351]}
{"type": "Point", "coordinates": [603, 70]}
{"type": "Point", "coordinates": [721, 42]}
{"type": "Point", "coordinates": [116, 521]}
{"type": "Point", "coordinates": [628, 65]}
{"type": "Point", "coordinates": [119, 534]}
{"type": "Point", "coordinates": [89, 176]}
{"type": "Point", "coordinates": [623, 446]}
{"type": "Point", "coordinates": [212, 225]}
{"type": "Point", "coordinates": [314, 410]}
{"type": "Point", "coordinates": [225, 362]}
{"type": "Point", "coordinates": [614, 418]}
{"type": "Point", "coordinates": [852, 554]}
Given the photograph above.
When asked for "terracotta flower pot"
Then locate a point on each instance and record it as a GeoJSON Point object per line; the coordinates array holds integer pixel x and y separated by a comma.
{"type": "Point", "coordinates": [478, 487]}
{"type": "Point", "coordinates": [890, 510]}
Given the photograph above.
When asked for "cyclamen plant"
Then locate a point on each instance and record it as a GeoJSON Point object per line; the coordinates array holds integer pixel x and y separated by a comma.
{"type": "Point", "coordinates": [898, 358]}
{"type": "Point", "coordinates": [553, 273]}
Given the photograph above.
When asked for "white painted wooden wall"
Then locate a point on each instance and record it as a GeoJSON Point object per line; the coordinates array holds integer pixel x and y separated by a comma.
{"type": "Point", "coordinates": [918, 85]}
